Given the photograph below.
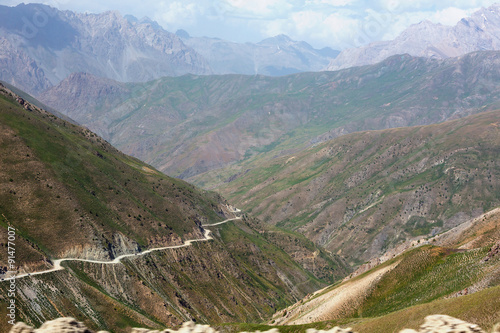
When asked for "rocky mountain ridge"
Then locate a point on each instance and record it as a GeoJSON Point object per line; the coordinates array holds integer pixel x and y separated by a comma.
{"type": "Point", "coordinates": [106, 44]}
{"type": "Point", "coordinates": [42, 46]}
{"type": "Point", "coordinates": [479, 32]}
{"type": "Point", "coordinates": [279, 55]}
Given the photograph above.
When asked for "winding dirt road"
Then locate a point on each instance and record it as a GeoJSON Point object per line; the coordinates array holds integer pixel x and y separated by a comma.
{"type": "Point", "coordinates": [117, 260]}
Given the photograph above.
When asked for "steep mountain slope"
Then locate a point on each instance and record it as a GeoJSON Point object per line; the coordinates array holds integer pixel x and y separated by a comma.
{"type": "Point", "coordinates": [19, 69]}
{"type": "Point", "coordinates": [479, 32]}
{"type": "Point", "coordinates": [363, 193]}
{"type": "Point", "coordinates": [189, 125]}
{"type": "Point", "coordinates": [82, 191]}
{"type": "Point", "coordinates": [68, 193]}
{"type": "Point", "coordinates": [416, 283]}
{"type": "Point", "coordinates": [274, 56]}
{"type": "Point", "coordinates": [57, 43]}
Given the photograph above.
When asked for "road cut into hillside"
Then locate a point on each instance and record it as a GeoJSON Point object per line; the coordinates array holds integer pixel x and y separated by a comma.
{"type": "Point", "coordinates": [118, 260]}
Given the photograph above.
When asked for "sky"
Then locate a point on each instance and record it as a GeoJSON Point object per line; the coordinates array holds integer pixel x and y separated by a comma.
{"type": "Point", "coordinates": [338, 24]}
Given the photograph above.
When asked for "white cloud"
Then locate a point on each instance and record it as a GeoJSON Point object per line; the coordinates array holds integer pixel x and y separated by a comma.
{"type": "Point", "coordinates": [332, 23]}
{"type": "Point", "coordinates": [334, 3]}
{"type": "Point", "coordinates": [314, 27]}
{"type": "Point", "coordinates": [176, 13]}
{"type": "Point", "coordinates": [432, 6]}
{"type": "Point", "coordinates": [450, 16]}
{"type": "Point", "coordinates": [262, 8]}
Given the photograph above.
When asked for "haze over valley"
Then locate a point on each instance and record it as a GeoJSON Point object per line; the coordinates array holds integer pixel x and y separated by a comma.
{"type": "Point", "coordinates": [153, 179]}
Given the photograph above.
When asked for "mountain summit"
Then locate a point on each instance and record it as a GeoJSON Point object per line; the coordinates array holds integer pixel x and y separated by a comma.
{"type": "Point", "coordinates": [479, 32]}
{"type": "Point", "coordinates": [40, 46]}
{"type": "Point", "coordinates": [274, 56]}
{"type": "Point", "coordinates": [53, 44]}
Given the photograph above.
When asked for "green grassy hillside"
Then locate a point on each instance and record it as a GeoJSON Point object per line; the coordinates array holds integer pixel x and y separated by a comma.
{"type": "Point", "coordinates": [62, 182]}
{"type": "Point", "coordinates": [480, 308]}
{"type": "Point", "coordinates": [189, 125]}
{"type": "Point", "coordinates": [364, 193]}
{"type": "Point", "coordinates": [68, 193]}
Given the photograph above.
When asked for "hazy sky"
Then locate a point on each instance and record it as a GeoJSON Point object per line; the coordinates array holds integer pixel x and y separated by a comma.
{"type": "Point", "coordinates": [336, 23]}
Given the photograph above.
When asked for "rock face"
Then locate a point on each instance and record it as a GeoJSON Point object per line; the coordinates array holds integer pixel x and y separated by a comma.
{"type": "Point", "coordinates": [494, 251]}
{"type": "Point", "coordinates": [53, 44]}
{"type": "Point", "coordinates": [19, 69]}
{"type": "Point", "coordinates": [479, 32]}
{"type": "Point", "coordinates": [336, 329]}
{"type": "Point", "coordinates": [187, 327]}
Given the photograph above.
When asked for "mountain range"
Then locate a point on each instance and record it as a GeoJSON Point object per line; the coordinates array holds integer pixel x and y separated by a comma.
{"type": "Point", "coordinates": [479, 32]}
{"type": "Point", "coordinates": [40, 46]}
{"type": "Point", "coordinates": [190, 125]}
{"type": "Point", "coordinates": [105, 44]}
{"type": "Point", "coordinates": [256, 156]}
{"type": "Point", "coordinates": [275, 56]}
{"type": "Point", "coordinates": [367, 195]}
{"type": "Point", "coordinates": [75, 172]}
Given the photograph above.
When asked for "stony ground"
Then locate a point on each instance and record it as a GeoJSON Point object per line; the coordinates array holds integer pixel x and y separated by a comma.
{"type": "Point", "coordinates": [432, 324]}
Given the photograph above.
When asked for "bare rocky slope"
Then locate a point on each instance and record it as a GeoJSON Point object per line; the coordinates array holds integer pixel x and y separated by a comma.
{"type": "Point", "coordinates": [66, 193]}
{"type": "Point", "coordinates": [19, 69]}
{"type": "Point", "coordinates": [479, 32]}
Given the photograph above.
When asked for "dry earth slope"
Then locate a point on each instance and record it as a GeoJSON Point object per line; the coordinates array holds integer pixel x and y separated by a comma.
{"type": "Point", "coordinates": [364, 193]}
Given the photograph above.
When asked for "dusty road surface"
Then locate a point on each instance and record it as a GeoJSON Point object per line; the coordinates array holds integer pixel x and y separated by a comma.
{"type": "Point", "coordinates": [117, 260]}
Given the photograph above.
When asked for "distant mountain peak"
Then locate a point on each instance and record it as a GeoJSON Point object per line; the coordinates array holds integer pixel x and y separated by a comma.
{"type": "Point", "coordinates": [480, 31]}
{"type": "Point", "coordinates": [278, 39]}
{"type": "Point", "coordinates": [155, 25]}
{"type": "Point", "coordinates": [131, 49]}
{"type": "Point", "coordinates": [131, 18]}
{"type": "Point", "coordinates": [182, 34]}
{"type": "Point", "coordinates": [274, 56]}
{"type": "Point", "coordinates": [107, 44]}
